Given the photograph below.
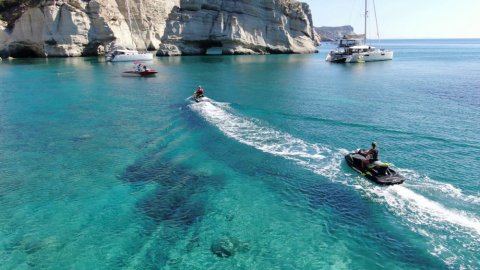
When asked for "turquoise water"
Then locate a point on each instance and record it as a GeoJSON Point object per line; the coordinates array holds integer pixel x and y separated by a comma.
{"type": "Point", "coordinates": [103, 171]}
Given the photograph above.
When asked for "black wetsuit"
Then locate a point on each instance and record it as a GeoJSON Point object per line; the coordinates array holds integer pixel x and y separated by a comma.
{"type": "Point", "coordinates": [373, 155]}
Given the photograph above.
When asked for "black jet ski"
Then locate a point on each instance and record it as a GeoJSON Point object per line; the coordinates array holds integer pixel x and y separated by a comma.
{"type": "Point", "coordinates": [379, 172]}
{"type": "Point", "coordinates": [201, 98]}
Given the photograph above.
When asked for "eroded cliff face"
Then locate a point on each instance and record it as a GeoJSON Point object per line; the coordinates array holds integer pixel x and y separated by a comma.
{"type": "Point", "coordinates": [175, 27]}
{"type": "Point", "coordinates": [239, 27]}
{"type": "Point", "coordinates": [75, 27]}
{"type": "Point", "coordinates": [3, 36]}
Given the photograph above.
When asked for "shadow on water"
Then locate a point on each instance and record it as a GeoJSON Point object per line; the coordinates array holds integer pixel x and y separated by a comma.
{"type": "Point", "coordinates": [176, 204]}
{"type": "Point", "coordinates": [353, 210]}
{"type": "Point", "coordinates": [178, 200]}
{"type": "Point", "coordinates": [172, 210]}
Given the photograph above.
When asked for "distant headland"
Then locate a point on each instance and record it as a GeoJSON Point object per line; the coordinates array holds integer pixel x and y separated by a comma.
{"type": "Point", "coordinates": [333, 33]}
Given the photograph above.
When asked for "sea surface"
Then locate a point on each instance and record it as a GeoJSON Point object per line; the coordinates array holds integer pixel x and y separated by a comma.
{"type": "Point", "coordinates": [101, 171]}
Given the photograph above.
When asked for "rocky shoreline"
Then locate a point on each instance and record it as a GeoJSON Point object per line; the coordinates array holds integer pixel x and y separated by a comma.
{"type": "Point", "coordinates": [334, 33]}
{"type": "Point", "coordinates": [71, 28]}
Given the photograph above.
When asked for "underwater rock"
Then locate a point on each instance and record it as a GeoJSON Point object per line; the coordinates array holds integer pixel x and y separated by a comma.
{"type": "Point", "coordinates": [223, 247]}
{"type": "Point", "coordinates": [229, 217]}
{"type": "Point", "coordinates": [228, 246]}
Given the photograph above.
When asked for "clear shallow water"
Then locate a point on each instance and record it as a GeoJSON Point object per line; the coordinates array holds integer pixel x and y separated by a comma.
{"type": "Point", "coordinates": [102, 170]}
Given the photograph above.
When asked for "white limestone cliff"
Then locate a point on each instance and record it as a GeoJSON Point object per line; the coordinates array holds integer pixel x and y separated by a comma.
{"type": "Point", "coordinates": [4, 37]}
{"type": "Point", "coordinates": [57, 28]}
{"type": "Point", "coordinates": [75, 27]}
{"type": "Point", "coordinates": [239, 27]}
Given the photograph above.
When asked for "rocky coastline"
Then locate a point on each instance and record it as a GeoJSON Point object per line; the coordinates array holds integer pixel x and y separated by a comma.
{"type": "Point", "coordinates": [71, 28]}
{"type": "Point", "coordinates": [333, 33]}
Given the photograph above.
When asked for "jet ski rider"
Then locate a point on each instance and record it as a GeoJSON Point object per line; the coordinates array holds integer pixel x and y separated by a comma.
{"type": "Point", "coordinates": [371, 156]}
{"type": "Point", "coordinates": [199, 92]}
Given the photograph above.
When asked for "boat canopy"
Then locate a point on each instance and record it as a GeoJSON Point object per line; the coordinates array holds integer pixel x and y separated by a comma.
{"type": "Point", "coordinates": [349, 42]}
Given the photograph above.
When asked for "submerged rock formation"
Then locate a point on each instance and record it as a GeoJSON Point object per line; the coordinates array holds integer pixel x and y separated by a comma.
{"type": "Point", "coordinates": [228, 246]}
{"type": "Point", "coordinates": [175, 27]}
{"type": "Point", "coordinates": [333, 33]}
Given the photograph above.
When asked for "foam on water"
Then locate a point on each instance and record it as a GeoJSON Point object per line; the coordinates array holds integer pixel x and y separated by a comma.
{"type": "Point", "coordinates": [424, 182]}
{"type": "Point", "coordinates": [444, 224]}
{"type": "Point", "coordinates": [417, 210]}
{"type": "Point", "coordinates": [426, 210]}
{"type": "Point", "coordinates": [250, 132]}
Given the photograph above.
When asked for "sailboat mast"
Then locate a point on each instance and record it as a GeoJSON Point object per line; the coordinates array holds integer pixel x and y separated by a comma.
{"type": "Point", "coordinates": [366, 16]}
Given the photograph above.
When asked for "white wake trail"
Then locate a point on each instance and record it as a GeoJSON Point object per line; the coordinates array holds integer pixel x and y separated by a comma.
{"type": "Point", "coordinates": [425, 216]}
{"type": "Point", "coordinates": [422, 210]}
{"type": "Point", "coordinates": [262, 138]}
{"type": "Point", "coordinates": [423, 182]}
{"type": "Point", "coordinates": [314, 157]}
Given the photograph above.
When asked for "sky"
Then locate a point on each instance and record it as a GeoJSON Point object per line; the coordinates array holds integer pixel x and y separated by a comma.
{"type": "Point", "coordinates": [404, 18]}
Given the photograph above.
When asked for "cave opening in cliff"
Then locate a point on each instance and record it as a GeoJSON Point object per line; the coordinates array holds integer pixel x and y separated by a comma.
{"type": "Point", "coordinates": [24, 51]}
{"type": "Point", "coordinates": [212, 47]}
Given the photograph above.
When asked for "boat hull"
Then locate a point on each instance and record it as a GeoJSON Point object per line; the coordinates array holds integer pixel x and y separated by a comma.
{"type": "Point", "coordinates": [372, 56]}
{"type": "Point", "coordinates": [332, 58]}
{"type": "Point", "coordinates": [145, 73]}
{"type": "Point", "coordinates": [380, 55]}
{"type": "Point", "coordinates": [130, 57]}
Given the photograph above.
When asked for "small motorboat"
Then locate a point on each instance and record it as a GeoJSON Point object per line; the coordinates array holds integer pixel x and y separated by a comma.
{"type": "Point", "coordinates": [140, 70]}
{"type": "Point", "coordinates": [379, 172]}
{"type": "Point", "coordinates": [143, 73]}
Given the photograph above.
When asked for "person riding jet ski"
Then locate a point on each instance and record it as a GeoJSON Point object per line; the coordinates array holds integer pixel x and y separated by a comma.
{"type": "Point", "coordinates": [371, 156]}
{"type": "Point", "coordinates": [367, 163]}
{"type": "Point", "coordinates": [199, 93]}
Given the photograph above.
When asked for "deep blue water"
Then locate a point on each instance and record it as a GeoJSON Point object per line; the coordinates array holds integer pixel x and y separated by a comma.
{"type": "Point", "coordinates": [103, 171]}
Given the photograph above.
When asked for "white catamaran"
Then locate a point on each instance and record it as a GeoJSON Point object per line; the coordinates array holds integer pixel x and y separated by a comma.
{"type": "Point", "coordinates": [354, 48]}
{"type": "Point", "coordinates": [118, 55]}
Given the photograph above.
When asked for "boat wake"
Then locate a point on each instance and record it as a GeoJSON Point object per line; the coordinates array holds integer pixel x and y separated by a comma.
{"type": "Point", "coordinates": [422, 214]}
{"type": "Point", "coordinates": [425, 183]}
{"type": "Point", "coordinates": [250, 132]}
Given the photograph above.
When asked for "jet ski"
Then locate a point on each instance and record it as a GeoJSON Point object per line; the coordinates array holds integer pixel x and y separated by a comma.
{"type": "Point", "coordinates": [379, 172]}
{"type": "Point", "coordinates": [200, 98]}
